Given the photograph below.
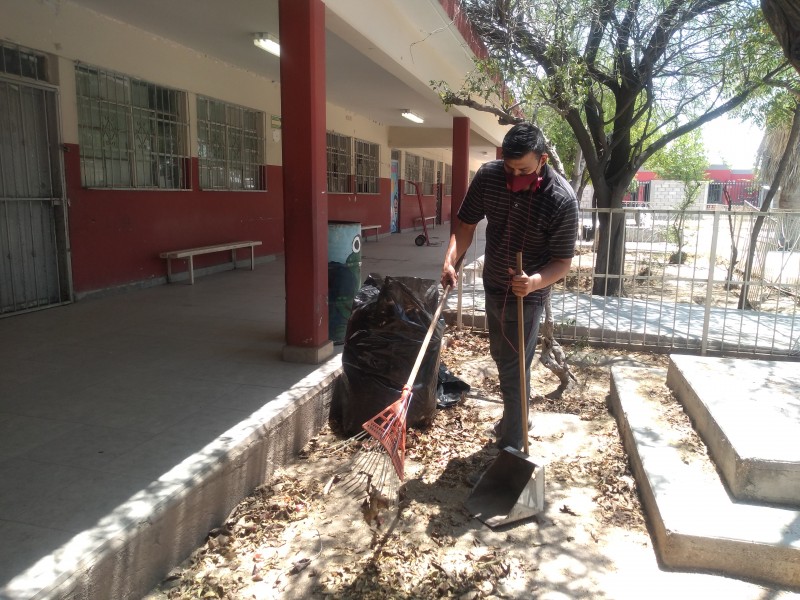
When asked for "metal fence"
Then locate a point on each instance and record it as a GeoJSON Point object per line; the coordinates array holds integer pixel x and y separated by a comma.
{"type": "Point", "coordinates": [682, 279]}
{"type": "Point", "coordinates": [736, 193]}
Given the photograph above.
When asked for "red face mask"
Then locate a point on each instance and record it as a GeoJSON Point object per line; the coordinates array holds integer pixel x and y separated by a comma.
{"type": "Point", "coordinates": [518, 183]}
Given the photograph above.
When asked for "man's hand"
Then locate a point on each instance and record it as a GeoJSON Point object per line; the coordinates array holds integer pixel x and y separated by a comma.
{"type": "Point", "coordinates": [460, 239]}
{"type": "Point", "coordinates": [524, 284]}
{"type": "Point", "coordinates": [449, 276]}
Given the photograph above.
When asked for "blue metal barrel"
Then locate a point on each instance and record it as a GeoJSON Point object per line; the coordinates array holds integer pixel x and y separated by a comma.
{"type": "Point", "coordinates": [344, 274]}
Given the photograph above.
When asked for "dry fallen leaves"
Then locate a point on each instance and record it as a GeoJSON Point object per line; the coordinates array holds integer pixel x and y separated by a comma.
{"type": "Point", "coordinates": [411, 549]}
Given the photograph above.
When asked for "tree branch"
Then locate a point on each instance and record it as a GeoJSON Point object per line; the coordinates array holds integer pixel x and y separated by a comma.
{"type": "Point", "coordinates": [503, 117]}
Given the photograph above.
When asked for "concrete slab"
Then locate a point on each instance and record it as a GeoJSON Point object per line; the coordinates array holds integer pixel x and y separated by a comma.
{"type": "Point", "coordinates": [695, 524]}
{"type": "Point", "coordinates": [748, 414]}
{"type": "Point", "coordinates": [125, 552]}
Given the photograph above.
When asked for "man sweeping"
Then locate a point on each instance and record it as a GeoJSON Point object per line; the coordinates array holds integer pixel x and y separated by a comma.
{"type": "Point", "coordinates": [531, 209]}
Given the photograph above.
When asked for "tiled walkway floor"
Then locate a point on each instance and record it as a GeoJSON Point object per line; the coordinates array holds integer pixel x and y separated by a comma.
{"type": "Point", "coordinates": [100, 398]}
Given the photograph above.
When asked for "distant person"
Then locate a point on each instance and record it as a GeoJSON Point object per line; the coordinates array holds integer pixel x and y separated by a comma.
{"type": "Point", "coordinates": [532, 209]}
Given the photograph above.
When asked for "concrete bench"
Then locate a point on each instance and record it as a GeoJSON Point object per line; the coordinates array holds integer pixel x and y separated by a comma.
{"type": "Point", "coordinates": [375, 228]}
{"type": "Point", "coordinates": [431, 220]}
{"type": "Point", "coordinates": [190, 253]}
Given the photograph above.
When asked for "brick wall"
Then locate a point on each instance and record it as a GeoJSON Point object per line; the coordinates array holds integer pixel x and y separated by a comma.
{"type": "Point", "coordinates": [663, 195]}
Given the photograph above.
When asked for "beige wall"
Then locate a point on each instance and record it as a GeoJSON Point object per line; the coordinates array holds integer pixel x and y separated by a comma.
{"type": "Point", "coordinates": [70, 34]}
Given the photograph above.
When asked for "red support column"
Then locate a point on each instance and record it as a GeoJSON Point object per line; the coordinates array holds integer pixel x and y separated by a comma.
{"type": "Point", "coordinates": [305, 222]}
{"type": "Point", "coordinates": [460, 164]}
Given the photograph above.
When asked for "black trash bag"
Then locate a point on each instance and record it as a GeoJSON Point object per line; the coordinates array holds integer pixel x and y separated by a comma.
{"type": "Point", "coordinates": [384, 337]}
{"type": "Point", "coordinates": [450, 389]}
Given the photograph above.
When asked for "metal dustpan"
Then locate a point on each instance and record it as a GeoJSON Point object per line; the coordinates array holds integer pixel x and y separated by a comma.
{"type": "Point", "coordinates": [512, 488]}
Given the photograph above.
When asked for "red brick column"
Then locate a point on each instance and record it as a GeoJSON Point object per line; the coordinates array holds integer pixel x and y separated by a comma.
{"type": "Point", "coordinates": [302, 39]}
{"type": "Point", "coordinates": [460, 163]}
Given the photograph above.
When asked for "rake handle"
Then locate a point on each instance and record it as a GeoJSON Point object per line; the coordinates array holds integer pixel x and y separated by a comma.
{"type": "Point", "coordinates": [521, 344]}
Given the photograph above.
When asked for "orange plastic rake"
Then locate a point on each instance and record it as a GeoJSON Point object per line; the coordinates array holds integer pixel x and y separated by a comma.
{"type": "Point", "coordinates": [388, 427]}
{"type": "Point", "coordinates": [379, 463]}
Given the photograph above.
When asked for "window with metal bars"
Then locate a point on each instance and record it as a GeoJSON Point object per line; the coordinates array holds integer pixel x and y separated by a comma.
{"type": "Point", "coordinates": [132, 134]}
{"type": "Point", "coordinates": [230, 146]}
{"type": "Point", "coordinates": [367, 161]}
{"type": "Point", "coordinates": [448, 180]}
{"type": "Point", "coordinates": [339, 163]}
{"type": "Point", "coordinates": [411, 172]}
{"type": "Point", "coordinates": [15, 60]}
{"type": "Point", "coordinates": [428, 176]}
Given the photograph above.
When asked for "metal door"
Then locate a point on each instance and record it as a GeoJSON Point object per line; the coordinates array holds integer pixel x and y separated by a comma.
{"type": "Point", "coordinates": [34, 270]}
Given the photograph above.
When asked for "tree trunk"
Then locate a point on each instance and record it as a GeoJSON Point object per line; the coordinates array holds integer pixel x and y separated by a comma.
{"type": "Point", "coordinates": [553, 356]}
{"type": "Point", "coordinates": [783, 17]}
{"type": "Point", "coordinates": [577, 172]}
{"type": "Point", "coordinates": [734, 249]}
{"type": "Point", "coordinates": [610, 240]}
{"type": "Point", "coordinates": [791, 145]}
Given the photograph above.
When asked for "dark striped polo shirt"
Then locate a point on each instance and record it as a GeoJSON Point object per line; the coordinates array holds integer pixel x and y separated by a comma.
{"type": "Point", "coordinates": [541, 224]}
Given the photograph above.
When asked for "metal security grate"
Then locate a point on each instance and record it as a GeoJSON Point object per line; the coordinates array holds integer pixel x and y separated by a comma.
{"type": "Point", "coordinates": [15, 60]}
{"type": "Point", "coordinates": [230, 146]}
{"type": "Point", "coordinates": [340, 162]}
{"type": "Point", "coordinates": [448, 180]}
{"type": "Point", "coordinates": [132, 134]}
{"type": "Point", "coordinates": [367, 157]}
{"type": "Point", "coordinates": [34, 269]}
{"type": "Point", "coordinates": [428, 176]}
{"type": "Point", "coordinates": [411, 172]}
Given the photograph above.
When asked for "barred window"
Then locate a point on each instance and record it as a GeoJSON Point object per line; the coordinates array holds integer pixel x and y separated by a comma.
{"type": "Point", "coordinates": [230, 146]}
{"type": "Point", "coordinates": [15, 60]}
{"type": "Point", "coordinates": [448, 180]}
{"type": "Point", "coordinates": [428, 176]}
{"type": "Point", "coordinates": [411, 172]}
{"type": "Point", "coordinates": [339, 163]}
{"type": "Point", "coordinates": [367, 161]}
{"type": "Point", "coordinates": [132, 134]}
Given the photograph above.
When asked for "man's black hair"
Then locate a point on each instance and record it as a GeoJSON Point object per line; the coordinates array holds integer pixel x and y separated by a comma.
{"type": "Point", "coordinates": [521, 139]}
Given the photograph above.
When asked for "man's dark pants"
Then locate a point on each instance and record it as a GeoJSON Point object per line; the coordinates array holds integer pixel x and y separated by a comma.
{"type": "Point", "coordinates": [501, 314]}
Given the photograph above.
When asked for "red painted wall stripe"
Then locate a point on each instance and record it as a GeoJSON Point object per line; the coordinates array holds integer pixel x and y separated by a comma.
{"type": "Point", "coordinates": [117, 235]}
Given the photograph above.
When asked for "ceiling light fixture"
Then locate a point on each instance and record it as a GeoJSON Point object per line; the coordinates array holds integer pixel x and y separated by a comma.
{"type": "Point", "coordinates": [267, 42]}
{"type": "Point", "coordinates": [412, 116]}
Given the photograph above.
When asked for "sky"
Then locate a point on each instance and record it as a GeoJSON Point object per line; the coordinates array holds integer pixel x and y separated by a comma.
{"type": "Point", "coordinates": [728, 140]}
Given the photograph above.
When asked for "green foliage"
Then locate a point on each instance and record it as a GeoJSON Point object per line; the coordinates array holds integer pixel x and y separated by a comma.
{"type": "Point", "coordinates": [627, 77]}
{"type": "Point", "coordinates": [559, 133]}
{"type": "Point", "coordinates": [683, 159]}
{"type": "Point", "coordinates": [771, 105]}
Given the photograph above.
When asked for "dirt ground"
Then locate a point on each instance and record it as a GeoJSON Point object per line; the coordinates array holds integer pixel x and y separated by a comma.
{"type": "Point", "coordinates": [290, 540]}
{"type": "Point", "coordinates": [650, 275]}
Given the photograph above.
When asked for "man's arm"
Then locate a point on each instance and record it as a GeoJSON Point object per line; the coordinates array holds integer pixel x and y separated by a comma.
{"type": "Point", "coordinates": [555, 270]}
{"type": "Point", "coordinates": [460, 238]}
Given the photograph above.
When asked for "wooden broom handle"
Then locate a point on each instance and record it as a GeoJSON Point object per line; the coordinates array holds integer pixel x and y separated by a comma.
{"type": "Point", "coordinates": [521, 343]}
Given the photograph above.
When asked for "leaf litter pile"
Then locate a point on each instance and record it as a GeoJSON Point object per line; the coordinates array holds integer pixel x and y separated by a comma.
{"type": "Point", "coordinates": [290, 540]}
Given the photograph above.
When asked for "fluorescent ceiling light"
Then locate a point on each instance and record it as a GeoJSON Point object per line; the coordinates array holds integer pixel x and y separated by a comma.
{"type": "Point", "coordinates": [266, 42]}
{"type": "Point", "coordinates": [412, 117]}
